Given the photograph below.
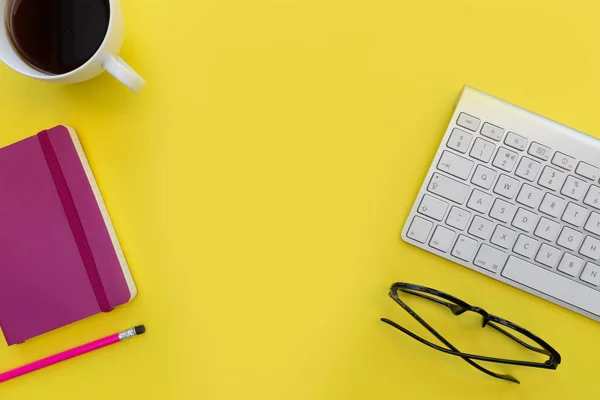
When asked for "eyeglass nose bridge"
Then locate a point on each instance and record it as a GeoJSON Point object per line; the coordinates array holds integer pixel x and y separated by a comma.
{"type": "Point", "coordinates": [484, 315]}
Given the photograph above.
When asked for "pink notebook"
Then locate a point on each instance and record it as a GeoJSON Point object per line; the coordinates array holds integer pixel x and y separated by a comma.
{"type": "Point", "coordinates": [60, 259]}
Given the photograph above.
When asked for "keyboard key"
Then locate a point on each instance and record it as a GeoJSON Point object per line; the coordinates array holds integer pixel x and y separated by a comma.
{"type": "Point", "coordinates": [459, 140]}
{"type": "Point", "coordinates": [516, 141]}
{"type": "Point", "coordinates": [539, 151]}
{"type": "Point", "coordinates": [468, 121]}
{"type": "Point", "coordinates": [530, 196]}
{"type": "Point", "coordinates": [551, 178]}
{"type": "Point", "coordinates": [490, 258]}
{"type": "Point", "coordinates": [593, 223]}
{"type": "Point", "coordinates": [548, 255]}
{"type": "Point", "coordinates": [483, 177]}
{"type": "Point", "coordinates": [448, 188]}
{"type": "Point", "coordinates": [592, 198]}
{"type": "Point", "coordinates": [575, 214]}
{"type": "Point", "coordinates": [464, 248]}
{"type": "Point", "coordinates": [569, 238]}
{"type": "Point", "coordinates": [570, 265]}
{"type": "Point", "coordinates": [526, 246]}
{"type": "Point", "coordinates": [482, 150]}
{"type": "Point", "coordinates": [481, 227]}
{"type": "Point", "coordinates": [590, 248]}
{"type": "Point", "coordinates": [479, 201]}
{"type": "Point", "coordinates": [552, 284]}
{"type": "Point", "coordinates": [503, 211]}
{"type": "Point", "coordinates": [442, 239]}
{"type": "Point", "coordinates": [455, 165]}
{"type": "Point", "coordinates": [506, 186]}
{"type": "Point", "coordinates": [503, 237]}
{"type": "Point", "coordinates": [563, 161]}
{"type": "Point", "coordinates": [547, 229]}
{"type": "Point", "coordinates": [588, 171]}
{"type": "Point", "coordinates": [591, 274]}
{"type": "Point", "coordinates": [492, 131]}
{"type": "Point", "coordinates": [528, 169]}
{"type": "Point", "coordinates": [524, 220]}
{"type": "Point", "coordinates": [433, 207]}
{"type": "Point", "coordinates": [458, 218]}
{"type": "Point", "coordinates": [553, 205]}
{"type": "Point", "coordinates": [574, 188]}
{"type": "Point", "coordinates": [505, 159]}
{"type": "Point", "coordinates": [419, 229]}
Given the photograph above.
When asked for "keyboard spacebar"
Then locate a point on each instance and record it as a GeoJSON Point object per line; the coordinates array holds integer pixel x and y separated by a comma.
{"type": "Point", "coordinates": [552, 284]}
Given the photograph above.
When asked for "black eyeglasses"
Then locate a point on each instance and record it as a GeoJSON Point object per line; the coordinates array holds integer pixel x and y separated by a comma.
{"type": "Point", "coordinates": [458, 307]}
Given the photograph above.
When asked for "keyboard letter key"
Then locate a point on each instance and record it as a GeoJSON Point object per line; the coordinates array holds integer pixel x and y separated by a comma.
{"type": "Point", "coordinates": [591, 274]}
{"type": "Point", "coordinates": [569, 239]}
{"type": "Point", "coordinates": [479, 201]}
{"type": "Point", "coordinates": [503, 211]}
{"type": "Point", "coordinates": [530, 196]}
{"type": "Point", "coordinates": [570, 265]}
{"type": "Point", "coordinates": [506, 186]}
{"type": "Point", "coordinates": [503, 237]}
{"type": "Point", "coordinates": [448, 188]}
{"type": "Point", "coordinates": [483, 177]}
{"type": "Point", "coordinates": [526, 246]}
{"type": "Point", "coordinates": [575, 214]}
{"type": "Point", "coordinates": [593, 224]}
{"type": "Point", "coordinates": [591, 248]}
{"type": "Point", "coordinates": [548, 255]}
{"type": "Point", "coordinates": [547, 229]}
{"type": "Point", "coordinates": [552, 205]}
{"type": "Point", "coordinates": [481, 227]}
{"type": "Point", "coordinates": [524, 220]}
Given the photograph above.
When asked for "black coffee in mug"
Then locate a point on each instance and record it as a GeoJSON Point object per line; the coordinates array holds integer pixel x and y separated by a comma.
{"type": "Point", "coordinates": [57, 36]}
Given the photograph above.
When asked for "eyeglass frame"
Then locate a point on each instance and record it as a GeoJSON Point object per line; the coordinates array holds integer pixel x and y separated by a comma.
{"type": "Point", "coordinates": [459, 307]}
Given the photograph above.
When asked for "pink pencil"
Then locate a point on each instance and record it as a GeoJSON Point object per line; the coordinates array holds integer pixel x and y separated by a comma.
{"type": "Point", "coordinates": [86, 348]}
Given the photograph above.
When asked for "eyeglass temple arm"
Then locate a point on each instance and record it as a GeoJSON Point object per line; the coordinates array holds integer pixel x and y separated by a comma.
{"type": "Point", "coordinates": [453, 351]}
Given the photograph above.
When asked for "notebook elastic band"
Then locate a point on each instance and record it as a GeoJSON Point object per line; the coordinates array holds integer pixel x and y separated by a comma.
{"type": "Point", "coordinates": [74, 221]}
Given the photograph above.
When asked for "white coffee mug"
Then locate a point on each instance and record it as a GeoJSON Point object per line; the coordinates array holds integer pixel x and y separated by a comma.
{"type": "Point", "coordinates": [105, 59]}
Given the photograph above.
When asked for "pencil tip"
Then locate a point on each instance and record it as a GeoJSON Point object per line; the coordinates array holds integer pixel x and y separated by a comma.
{"type": "Point", "coordinates": [140, 329]}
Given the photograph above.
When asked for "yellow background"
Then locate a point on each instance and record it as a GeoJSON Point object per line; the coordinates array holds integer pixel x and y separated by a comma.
{"type": "Point", "coordinates": [260, 182]}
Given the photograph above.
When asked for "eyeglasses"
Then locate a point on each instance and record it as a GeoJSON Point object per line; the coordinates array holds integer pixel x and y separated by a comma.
{"type": "Point", "coordinates": [459, 307]}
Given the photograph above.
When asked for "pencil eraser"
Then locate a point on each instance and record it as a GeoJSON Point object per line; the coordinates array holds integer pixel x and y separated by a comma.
{"type": "Point", "coordinates": [140, 329]}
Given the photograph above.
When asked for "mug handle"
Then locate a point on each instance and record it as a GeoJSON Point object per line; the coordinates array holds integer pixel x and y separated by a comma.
{"type": "Point", "coordinates": [124, 73]}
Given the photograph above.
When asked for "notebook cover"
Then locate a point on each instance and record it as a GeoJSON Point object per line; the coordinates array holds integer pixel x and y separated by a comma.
{"type": "Point", "coordinates": [44, 283]}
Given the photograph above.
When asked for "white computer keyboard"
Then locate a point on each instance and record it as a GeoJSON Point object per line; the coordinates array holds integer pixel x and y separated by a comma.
{"type": "Point", "coordinates": [515, 196]}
